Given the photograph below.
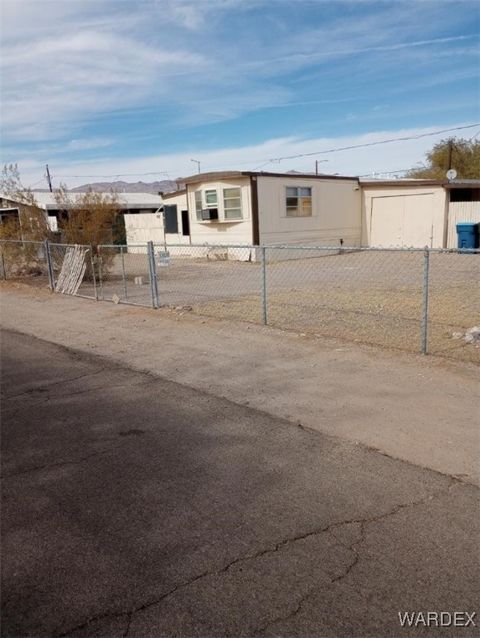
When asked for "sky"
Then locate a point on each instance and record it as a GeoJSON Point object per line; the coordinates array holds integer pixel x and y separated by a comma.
{"type": "Point", "coordinates": [136, 89]}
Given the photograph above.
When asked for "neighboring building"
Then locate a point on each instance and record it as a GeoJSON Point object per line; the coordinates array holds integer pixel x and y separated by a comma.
{"type": "Point", "coordinates": [417, 213]}
{"type": "Point", "coordinates": [12, 209]}
{"type": "Point", "coordinates": [129, 203]}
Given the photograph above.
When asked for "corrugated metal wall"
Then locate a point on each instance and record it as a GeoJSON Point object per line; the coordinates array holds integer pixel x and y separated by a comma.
{"type": "Point", "coordinates": [460, 212]}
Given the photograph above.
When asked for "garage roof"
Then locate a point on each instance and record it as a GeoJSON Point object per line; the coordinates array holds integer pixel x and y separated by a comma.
{"type": "Point", "coordinates": [459, 183]}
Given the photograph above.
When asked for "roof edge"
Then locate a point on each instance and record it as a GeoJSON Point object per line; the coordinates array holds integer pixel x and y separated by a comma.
{"type": "Point", "coordinates": [220, 175]}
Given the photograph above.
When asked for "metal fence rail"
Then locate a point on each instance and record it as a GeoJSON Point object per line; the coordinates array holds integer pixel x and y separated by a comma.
{"type": "Point", "coordinates": [416, 300]}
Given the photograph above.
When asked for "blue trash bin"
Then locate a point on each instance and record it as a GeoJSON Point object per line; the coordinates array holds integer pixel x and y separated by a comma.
{"type": "Point", "coordinates": [468, 236]}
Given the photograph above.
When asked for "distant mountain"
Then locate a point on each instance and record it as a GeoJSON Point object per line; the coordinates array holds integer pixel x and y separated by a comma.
{"type": "Point", "coordinates": [164, 186]}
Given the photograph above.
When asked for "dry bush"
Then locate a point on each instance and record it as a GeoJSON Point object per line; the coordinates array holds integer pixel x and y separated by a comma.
{"type": "Point", "coordinates": [88, 219]}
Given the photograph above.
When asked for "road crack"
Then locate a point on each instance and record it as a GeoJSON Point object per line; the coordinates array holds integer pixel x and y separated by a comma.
{"type": "Point", "coordinates": [47, 466]}
{"type": "Point", "coordinates": [47, 386]}
{"type": "Point", "coordinates": [353, 547]}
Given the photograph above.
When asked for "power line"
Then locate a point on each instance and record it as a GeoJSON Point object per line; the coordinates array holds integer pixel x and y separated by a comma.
{"type": "Point", "coordinates": [120, 174]}
{"type": "Point", "coordinates": [400, 170]}
{"type": "Point", "coordinates": [265, 161]}
{"type": "Point", "coordinates": [35, 183]}
{"type": "Point", "coordinates": [386, 141]}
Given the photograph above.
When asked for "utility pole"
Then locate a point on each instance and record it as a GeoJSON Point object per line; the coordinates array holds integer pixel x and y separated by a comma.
{"type": "Point", "coordinates": [317, 162]}
{"type": "Point", "coordinates": [49, 179]}
{"type": "Point", "coordinates": [450, 153]}
{"type": "Point", "coordinates": [197, 162]}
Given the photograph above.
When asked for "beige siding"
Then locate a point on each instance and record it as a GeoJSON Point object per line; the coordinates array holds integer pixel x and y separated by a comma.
{"type": "Point", "coordinates": [336, 212]}
{"type": "Point", "coordinates": [144, 227]}
{"type": "Point", "coordinates": [180, 201]}
{"type": "Point", "coordinates": [404, 217]}
{"type": "Point", "coordinates": [221, 232]}
{"type": "Point", "coordinates": [460, 212]}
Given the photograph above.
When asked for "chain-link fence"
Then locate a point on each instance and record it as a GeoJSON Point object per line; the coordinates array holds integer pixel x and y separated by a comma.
{"type": "Point", "coordinates": [63, 268]}
{"type": "Point", "coordinates": [454, 304]}
{"type": "Point", "coordinates": [357, 295]}
{"type": "Point", "coordinates": [124, 274]}
{"type": "Point", "coordinates": [74, 269]}
{"type": "Point", "coordinates": [221, 281]}
{"type": "Point", "coordinates": [24, 259]}
{"type": "Point", "coordinates": [407, 299]}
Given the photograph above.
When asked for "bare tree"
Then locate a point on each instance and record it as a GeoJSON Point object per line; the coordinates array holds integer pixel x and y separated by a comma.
{"type": "Point", "coordinates": [31, 223]}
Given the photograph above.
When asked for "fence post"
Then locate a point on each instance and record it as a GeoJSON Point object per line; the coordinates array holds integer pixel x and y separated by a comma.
{"type": "Point", "coordinates": [264, 286]}
{"type": "Point", "coordinates": [426, 282]}
{"type": "Point", "coordinates": [48, 256]}
{"type": "Point", "coordinates": [100, 272]}
{"type": "Point", "coordinates": [4, 272]}
{"type": "Point", "coordinates": [153, 273]}
{"type": "Point", "coordinates": [94, 277]}
{"type": "Point", "coordinates": [123, 274]}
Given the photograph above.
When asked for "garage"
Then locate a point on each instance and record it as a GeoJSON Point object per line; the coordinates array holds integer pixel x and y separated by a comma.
{"type": "Point", "coordinates": [396, 216]}
{"type": "Point", "coordinates": [404, 220]}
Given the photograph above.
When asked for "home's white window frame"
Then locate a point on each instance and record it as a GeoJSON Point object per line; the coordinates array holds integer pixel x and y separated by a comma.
{"type": "Point", "coordinates": [210, 204]}
{"type": "Point", "coordinates": [198, 205]}
{"type": "Point", "coordinates": [298, 197]}
{"type": "Point", "coordinates": [201, 203]}
{"type": "Point", "coordinates": [239, 207]}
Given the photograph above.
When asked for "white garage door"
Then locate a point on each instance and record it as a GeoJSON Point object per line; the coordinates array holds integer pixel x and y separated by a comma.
{"type": "Point", "coordinates": [402, 220]}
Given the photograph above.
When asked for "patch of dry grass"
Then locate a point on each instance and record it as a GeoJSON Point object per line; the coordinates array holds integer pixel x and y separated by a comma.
{"type": "Point", "coordinates": [390, 318]}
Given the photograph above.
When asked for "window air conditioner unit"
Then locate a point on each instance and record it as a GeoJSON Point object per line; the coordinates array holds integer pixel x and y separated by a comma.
{"type": "Point", "coordinates": [209, 214]}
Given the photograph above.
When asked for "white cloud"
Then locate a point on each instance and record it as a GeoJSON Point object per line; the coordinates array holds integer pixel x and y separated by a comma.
{"type": "Point", "coordinates": [67, 62]}
{"type": "Point", "coordinates": [57, 81]}
{"type": "Point", "coordinates": [374, 159]}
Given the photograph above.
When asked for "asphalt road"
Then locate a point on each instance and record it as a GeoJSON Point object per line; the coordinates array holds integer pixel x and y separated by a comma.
{"type": "Point", "coordinates": [137, 506]}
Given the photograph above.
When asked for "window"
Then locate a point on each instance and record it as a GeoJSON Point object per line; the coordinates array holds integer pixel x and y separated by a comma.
{"type": "Point", "coordinates": [208, 204]}
{"type": "Point", "coordinates": [465, 194]}
{"type": "Point", "coordinates": [211, 199]}
{"type": "Point", "coordinates": [198, 204]}
{"type": "Point", "coordinates": [299, 201]}
{"type": "Point", "coordinates": [170, 219]}
{"type": "Point", "coordinates": [232, 203]}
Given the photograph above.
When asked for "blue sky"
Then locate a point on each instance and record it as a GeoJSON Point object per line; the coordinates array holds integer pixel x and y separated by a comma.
{"type": "Point", "coordinates": [122, 86]}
